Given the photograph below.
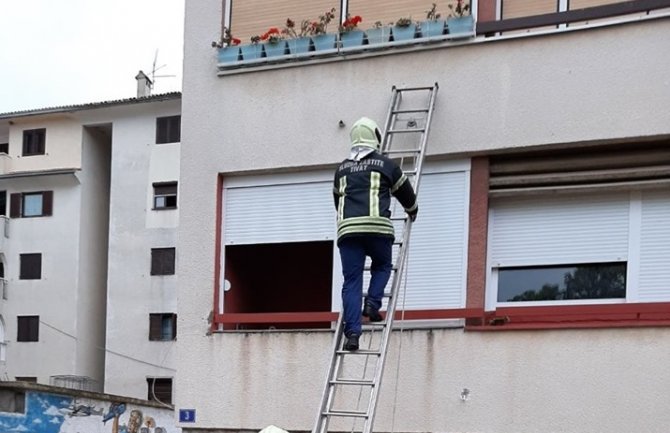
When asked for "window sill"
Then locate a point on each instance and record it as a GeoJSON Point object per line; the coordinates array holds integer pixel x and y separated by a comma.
{"type": "Point", "coordinates": [164, 208]}
{"type": "Point", "coordinates": [632, 315]}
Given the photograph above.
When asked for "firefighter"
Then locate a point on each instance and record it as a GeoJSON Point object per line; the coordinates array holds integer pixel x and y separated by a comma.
{"type": "Point", "coordinates": [363, 185]}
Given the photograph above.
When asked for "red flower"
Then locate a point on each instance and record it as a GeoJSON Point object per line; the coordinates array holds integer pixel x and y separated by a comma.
{"type": "Point", "coordinates": [235, 41]}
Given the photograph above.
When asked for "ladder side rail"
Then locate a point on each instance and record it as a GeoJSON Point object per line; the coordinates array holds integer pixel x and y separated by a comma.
{"type": "Point", "coordinates": [424, 138]}
{"type": "Point", "coordinates": [389, 116]}
{"type": "Point", "coordinates": [387, 139]}
{"type": "Point", "coordinates": [321, 424]}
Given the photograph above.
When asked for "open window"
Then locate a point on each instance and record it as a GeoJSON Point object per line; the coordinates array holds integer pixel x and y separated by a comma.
{"type": "Point", "coordinates": [279, 278]}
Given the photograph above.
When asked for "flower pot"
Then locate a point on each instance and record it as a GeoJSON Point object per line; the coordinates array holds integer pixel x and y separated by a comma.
{"type": "Point", "coordinates": [275, 49]}
{"type": "Point", "coordinates": [430, 29]}
{"type": "Point", "coordinates": [458, 25]}
{"type": "Point", "coordinates": [352, 38]}
{"type": "Point", "coordinates": [404, 33]}
{"type": "Point", "coordinates": [229, 54]}
{"type": "Point", "coordinates": [378, 36]}
{"type": "Point", "coordinates": [324, 42]}
{"type": "Point", "coordinates": [251, 51]}
{"type": "Point", "coordinates": [300, 45]}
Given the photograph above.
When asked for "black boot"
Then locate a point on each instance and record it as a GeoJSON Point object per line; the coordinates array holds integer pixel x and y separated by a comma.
{"type": "Point", "coordinates": [372, 313]}
{"type": "Point", "coordinates": [351, 343]}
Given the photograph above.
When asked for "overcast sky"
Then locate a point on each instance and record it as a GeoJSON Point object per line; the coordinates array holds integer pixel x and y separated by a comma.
{"type": "Point", "coordinates": [62, 52]}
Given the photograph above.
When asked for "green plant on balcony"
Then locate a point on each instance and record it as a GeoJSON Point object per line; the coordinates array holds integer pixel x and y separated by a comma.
{"type": "Point", "coordinates": [320, 26]}
{"type": "Point", "coordinates": [403, 22]}
{"type": "Point", "coordinates": [299, 37]}
{"type": "Point", "coordinates": [432, 26]}
{"type": "Point", "coordinates": [460, 21]}
{"type": "Point", "coordinates": [351, 23]}
{"type": "Point", "coordinates": [272, 36]}
{"type": "Point", "coordinates": [460, 9]}
{"type": "Point", "coordinates": [350, 35]}
{"type": "Point", "coordinates": [431, 14]}
{"type": "Point", "coordinates": [226, 39]}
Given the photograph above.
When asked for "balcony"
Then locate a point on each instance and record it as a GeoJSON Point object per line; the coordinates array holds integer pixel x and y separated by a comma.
{"type": "Point", "coordinates": [5, 163]}
{"type": "Point", "coordinates": [4, 231]}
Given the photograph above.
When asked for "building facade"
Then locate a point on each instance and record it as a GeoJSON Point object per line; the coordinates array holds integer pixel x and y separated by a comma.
{"type": "Point", "coordinates": [537, 295]}
{"type": "Point", "coordinates": [89, 203]}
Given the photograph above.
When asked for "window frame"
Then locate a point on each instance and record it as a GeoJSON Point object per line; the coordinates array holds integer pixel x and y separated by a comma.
{"type": "Point", "coordinates": [30, 148]}
{"type": "Point", "coordinates": [23, 266]}
{"type": "Point", "coordinates": [158, 266]}
{"type": "Point", "coordinates": [168, 129]}
{"type": "Point", "coordinates": [17, 204]}
{"type": "Point", "coordinates": [156, 326]}
{"type": "Point", "coordinates": [31, 334]}
{"type": "Point", "coordinates": [164, 382]}
{"type": "Point", "coordinates": [165, 194]}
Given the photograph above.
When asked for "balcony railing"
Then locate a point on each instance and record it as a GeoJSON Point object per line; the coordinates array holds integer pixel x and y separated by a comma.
{"type": "Point", "coordinates": [5, 163]}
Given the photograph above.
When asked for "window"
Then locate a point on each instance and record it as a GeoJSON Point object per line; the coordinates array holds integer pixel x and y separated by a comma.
{"type": "Point", "coordinates": [557, 283]}
{"type": "Point", "coordinates": [3, 202]}
{"type": "Point", "coordinates": [28, 328]}
{"type": "Point", "coordinates": [168, 129]}
{"type": "Point", "coordinates": [12, 401]}
{"type": "Point", "coordinates": [162, 326]}
{"type": "Point", "coordinates": [33, 141]}
{"type": "Point", "coordinates": [31, 204]}
{"type": "Point", "coordinates": [162, 261]}
{"type": "Point", "coordinates": [29, 379]}
{"type": "Point", "coordinates": [165, 195]}
{"type": "Point", "coordinates": [4, 147]}
{"type": "Point", "coordinates": [159, 389]}
{"type": "Point", "coordinates": [31, 266]}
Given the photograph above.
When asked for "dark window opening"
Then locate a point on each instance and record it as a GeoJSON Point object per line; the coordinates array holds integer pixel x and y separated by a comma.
{"type": "Point", "coordinates": [3, 203]}
{"type": "Point", "coordinates": [29, 379]}
{"type": "Point", "coordinates": [30, 267]}
{"type": "Point", "coordinates": [28, 328]}
{"type": "Point", "coordinates": [33, 141]}
{"type": "Point", "coordinates": [12, 401]}
{"type": "Point", "coordinates": [162, 261]}
{"type": "Point", "coordinates": [162, 327]}
{"type": "Point", "coordinates": [159, 389]}
{"type": "Point", "coordinates": [279, 278]}
{"type": "Point", "coordinates": [562, 282]}
{"type": "Point", "coordinates": [4, 147]}
{"type": "Point", "coordinates": [168, 129]}
{"type": "Point", "coordinates": [165, 195]}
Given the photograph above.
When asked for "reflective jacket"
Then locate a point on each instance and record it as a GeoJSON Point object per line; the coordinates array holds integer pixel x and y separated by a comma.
{"type": "Point", "coordinates": [362, 191]}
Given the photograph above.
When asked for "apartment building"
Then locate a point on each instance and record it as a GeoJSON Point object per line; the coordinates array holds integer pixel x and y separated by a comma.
{"type": "Point", "coordinates": [537, 291]}
{"type": "Point", "coordinates": [89, 204]}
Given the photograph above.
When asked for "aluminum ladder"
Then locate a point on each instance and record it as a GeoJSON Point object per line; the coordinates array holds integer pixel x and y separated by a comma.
{"type": "Point", "coordinates": [356, 376]}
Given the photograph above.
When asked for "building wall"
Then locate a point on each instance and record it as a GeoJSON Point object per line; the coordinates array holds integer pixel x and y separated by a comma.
{"type": "Point", "coordinates": [551, 90]}
{"type": "Point", "coordinates": [134, 228]}
{"type": "Point", "coordinates": [54, 410]}
{"type": "Point", "coordinates": [91, 291]}
{"type": "Point", "coordinates": [62, 143]}
{"type": "Point", "coordinates": [52, 297]}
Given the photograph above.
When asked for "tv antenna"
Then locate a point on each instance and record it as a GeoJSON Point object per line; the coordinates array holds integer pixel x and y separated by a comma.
{"type": "Point", "coordinates": [154, 69]}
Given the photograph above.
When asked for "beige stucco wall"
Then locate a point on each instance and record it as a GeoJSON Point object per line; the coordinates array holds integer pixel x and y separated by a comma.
{"type": "Point", "coordinates": [603, 84]}
{"type": "Point", "coordinates": [62, 145]}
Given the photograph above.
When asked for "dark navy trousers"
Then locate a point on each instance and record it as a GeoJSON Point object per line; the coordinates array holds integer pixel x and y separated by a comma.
{"type": "Point", "coordinates": [353, 251]}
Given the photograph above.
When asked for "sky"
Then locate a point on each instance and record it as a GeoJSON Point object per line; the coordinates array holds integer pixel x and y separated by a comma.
{"type": "Point", "coordinates": [64, 52]}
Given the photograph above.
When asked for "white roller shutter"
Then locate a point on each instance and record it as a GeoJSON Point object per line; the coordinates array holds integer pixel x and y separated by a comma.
{"type": "Point", "coordinates": [654, 277]}
{"type": "Point", "coordinates": [260, 213]}
{"type": "Point", "coordinates": [559, 230]}
{"type": "Point", "coordinates": [438, 246]}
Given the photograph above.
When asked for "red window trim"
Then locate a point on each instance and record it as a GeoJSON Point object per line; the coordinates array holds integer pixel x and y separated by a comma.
{"type": "Point", "coordinates": [576, 317]}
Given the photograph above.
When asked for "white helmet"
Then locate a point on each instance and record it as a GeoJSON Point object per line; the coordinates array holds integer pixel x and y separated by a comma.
{"type": "Point", "coordinates": [365, 132]}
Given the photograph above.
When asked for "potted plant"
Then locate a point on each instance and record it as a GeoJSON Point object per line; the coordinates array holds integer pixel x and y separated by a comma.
{"type": "Point", "coordinates": [318, 29]}
{"type": "Point", "coordinates": [229, 50]}
{"type": "Point", "coordinates": [378, 34]}
{"type": "Point", "coordinates": [275, 45]}
{"type": "Point", "coordinates": [350, 35]}
{"type": "Point", "coordinates": [432, 26]}
{"type": "Point", "coordinates": [299, 41]}
{"type": "Point", "coordinates": [404, 29]}
{"type": "Point", "coordinates": [459, 20]}
{"type": "Point", "coordinates": [252, 51]}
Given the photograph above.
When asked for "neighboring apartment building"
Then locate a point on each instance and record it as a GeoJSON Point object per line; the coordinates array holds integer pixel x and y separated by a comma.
{"type": "Point", "coordinates": [538, 295]}
{"type": "Point", "coordinates": [88, 195]}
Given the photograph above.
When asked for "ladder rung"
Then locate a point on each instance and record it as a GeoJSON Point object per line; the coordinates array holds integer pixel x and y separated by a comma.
{"type": "Point", "coordinates": [405, 131]}
{"type": "Point", "coordinates": [346, 413]}
{"type": "Point", "coordinates": [414, 110]}
{"type": "Point", "coordinates": [397, 242]}
{"type": "Point", "coordinates": [401, 151]}
{"type": "Point", "coordinates": [413, 89]}
{"type": "Point", "coordinates": [371, 326]}
{"type": "Point", "coordinates": [359, 382]}
{"type": "Point", "coordinates": [359, 352]}
{"type": "Point", "coordinates": [368, 267]}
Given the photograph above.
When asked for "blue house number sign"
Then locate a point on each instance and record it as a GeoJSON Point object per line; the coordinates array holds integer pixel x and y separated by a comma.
{"type": "Point", "coordinates": [186, 415]}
